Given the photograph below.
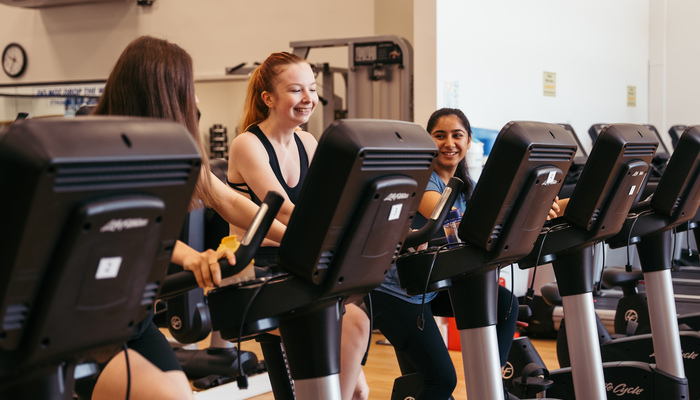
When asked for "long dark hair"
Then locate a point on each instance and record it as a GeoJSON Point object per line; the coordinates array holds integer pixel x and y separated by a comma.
{"type": "Point", "coordinates": [462, 171]}
{"type": "Point", "coordinates": [154, 78]}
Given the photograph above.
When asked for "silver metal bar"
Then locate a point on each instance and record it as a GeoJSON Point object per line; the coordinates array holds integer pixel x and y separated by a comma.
{"type": "Point", "coordinates": [689, 297]}
{"type": "Point", "coordinates": [324, 388]}
{"type": "Point", "coordinates": [441, 203]}
{"type": "Point", "coordinates": [254, 225]}
{"type": "Point", "coordinates": [686, 281]}
{"type": "Point", "coordinates": [328, 92]}
{"type": "Point", "coordinates": [216, 341]}
{"type": "Point", "coordinates": [584, 347]}
{"type": "Point", "coordinates": [482, 366]}
{"type": "Point", "coordinates": [664, 322]}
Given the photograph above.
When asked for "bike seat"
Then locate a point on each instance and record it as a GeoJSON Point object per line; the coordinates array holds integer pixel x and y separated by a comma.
{"type": "Point", "coordinates": [618, 276]}
{"type": "Point", "coordinates": [550, 294]}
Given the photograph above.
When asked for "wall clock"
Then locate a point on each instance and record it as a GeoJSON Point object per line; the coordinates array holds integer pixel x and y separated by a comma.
{"type": "Point", "coordinates": [14, 60]}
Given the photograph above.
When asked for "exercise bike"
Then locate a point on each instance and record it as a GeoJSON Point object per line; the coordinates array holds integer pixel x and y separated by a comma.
{"type": "Point", "coordinates": [96, 206]}
{"type": "Point", "coordinates": [632, 310]}
{"type": "Point", "coordinates": [499, 226]}
{"type": "Point", "coordinates": [187, 318]}
{"type": "Point", "coordinates": [604, 194]}
{"type": "Point", "coordinates": [354, 211]}
{"type": "Point", "coordinates": [673, 202]}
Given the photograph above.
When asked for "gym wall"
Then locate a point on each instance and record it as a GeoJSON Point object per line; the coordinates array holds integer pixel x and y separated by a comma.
{"type": "Point", "coordinates": [677, 61]}
{"type": "Point", "coordinates": [492, 57]}
{"type": "Point", "coordinates": [497, 51]}
{"type": "Point", "coordinates": [82, 42]}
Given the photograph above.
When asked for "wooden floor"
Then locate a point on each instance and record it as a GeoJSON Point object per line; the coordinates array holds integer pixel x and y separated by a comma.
{"type": "Point", "coordinates": [382, 368]}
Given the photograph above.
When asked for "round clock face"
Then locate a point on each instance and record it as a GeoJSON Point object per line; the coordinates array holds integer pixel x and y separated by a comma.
{"type": "Point", "coordinates": [14, 60]}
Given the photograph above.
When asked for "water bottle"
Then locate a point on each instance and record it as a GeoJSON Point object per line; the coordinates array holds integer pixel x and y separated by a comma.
{"type": "Point", "coordinates": [451, 226]}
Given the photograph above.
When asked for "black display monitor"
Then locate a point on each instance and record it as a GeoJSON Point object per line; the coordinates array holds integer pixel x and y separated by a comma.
{"type": "Point", "coordinates": [506, 213]}
{"type": "Point", "coordinates": [675, 200]}
{"type": "Point", "coordinates": [675, 133]}
{"type": "Point", "coordinates": [581, 153]}
{"type": "Point", "coordinates": [608, 186]}
{"type": "Point", "coordinates": [543, 153]}
{"type": "Point", "coordinates": [594, 131]}
{"type": "Point", "coordinates": [576, 167]}
{"type": "Point", "coordinates": [615, 170]}
{"type": "Point", "coordinates": [92, 209]}
{"type": "Point", "coordinates": [357, 202]}
{"type": "Point", "coordinates": [663, 152]}
{"type": "Point", "coordinates": [678, 192]}
{"type": "Point", "coordinates": [658, 164]}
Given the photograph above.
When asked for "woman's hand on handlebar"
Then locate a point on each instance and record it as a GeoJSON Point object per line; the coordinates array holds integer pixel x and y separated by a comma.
{"type": "Point", "coordinates": [204, 265]}
{"type": "Point", "coordinates": [558, 208]}
{"type": "Point", "coordinates": [555, 210]}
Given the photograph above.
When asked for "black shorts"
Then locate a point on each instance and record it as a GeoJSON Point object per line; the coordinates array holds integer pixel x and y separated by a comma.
{"type": "Point", "coordinates": [154, 346]}
{"type": "Point", "coordinates": [147, 341]}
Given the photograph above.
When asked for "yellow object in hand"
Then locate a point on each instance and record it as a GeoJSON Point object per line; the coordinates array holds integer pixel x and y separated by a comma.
{"type": "Point", "coordinates": [232, 243]}
{"type": "Point", "coordinates": [229, 242]}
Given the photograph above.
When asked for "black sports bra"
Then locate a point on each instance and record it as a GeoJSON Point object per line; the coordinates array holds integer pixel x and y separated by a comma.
{"type": "Point", "coordinates": [292, 192]}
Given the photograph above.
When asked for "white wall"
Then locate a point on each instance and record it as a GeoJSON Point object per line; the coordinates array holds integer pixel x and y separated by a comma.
{"type": "Point", "coordinates": [657, 65]}
{"type": "Point", "coordinates": [682, 103]}
{"type": "Point", "coordinates": [424, 59]}
{"type": "Point", "coordinates": [497, 52]}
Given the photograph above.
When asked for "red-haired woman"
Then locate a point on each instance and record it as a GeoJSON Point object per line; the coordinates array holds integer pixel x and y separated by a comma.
{"type": "Point", "coordinates": [272, 153]}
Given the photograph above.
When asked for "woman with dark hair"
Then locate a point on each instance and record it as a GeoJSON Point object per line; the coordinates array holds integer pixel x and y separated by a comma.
{"type": "Point", "coordinates": [154, 78]}
{"type": "Point", "coordinates": [273, 153]}
{"type": "Point", "coordinates": [453, 144]}
{"type": "Point", "coordinates": [422, 349]}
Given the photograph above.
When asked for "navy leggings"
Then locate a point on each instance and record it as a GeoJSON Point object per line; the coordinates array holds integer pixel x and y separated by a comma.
{"type": "Point", "coordinates": [424, 351]}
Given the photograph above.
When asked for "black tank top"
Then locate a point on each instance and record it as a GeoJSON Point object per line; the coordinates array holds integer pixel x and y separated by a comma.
{"type": "Point", "coordinates": [292, 192]}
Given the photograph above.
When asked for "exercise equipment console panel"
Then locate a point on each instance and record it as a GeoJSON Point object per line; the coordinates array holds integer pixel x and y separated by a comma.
{"type": "Point", "coordinates": [360, 214]}
{"type": "Point", "coordinates": [615, 171]}
{"type": "Point", "coordinates": [95, 208]}
{"type": "Point", "coordinates": [544, 153]}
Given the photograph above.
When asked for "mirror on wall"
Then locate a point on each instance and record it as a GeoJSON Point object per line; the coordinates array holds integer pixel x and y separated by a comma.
{"type": "Point", "coordinates": [46, 100]}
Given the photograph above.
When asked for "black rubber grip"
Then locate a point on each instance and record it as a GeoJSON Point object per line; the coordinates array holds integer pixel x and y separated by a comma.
{"type": "Point", "coordinates": [181, 282]}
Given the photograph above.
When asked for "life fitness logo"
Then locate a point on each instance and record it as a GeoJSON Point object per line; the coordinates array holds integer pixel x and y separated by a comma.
{"type": "Point", "coordinates": [395, 211]}
{"type": "Point", "coordinates": [118, 225]}
{"type": "Point", "coordinates": [396, 196]}
{"type": "Point", "coordinates": [631, 315]}
{"type": "Point", "coordinates": [622, 389]}
{"type": "Point", "coordinates": [507, 371]}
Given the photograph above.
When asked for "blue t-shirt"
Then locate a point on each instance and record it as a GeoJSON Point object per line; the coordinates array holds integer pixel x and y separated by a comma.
{"type": "Point", "coordinates": [391, 281]}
